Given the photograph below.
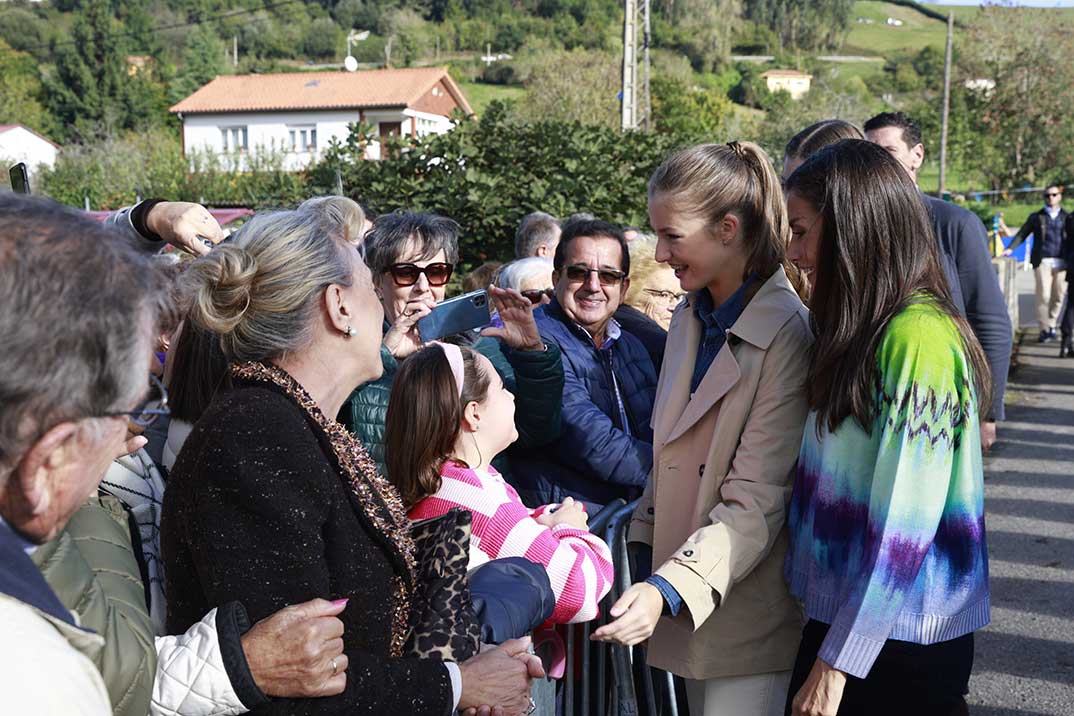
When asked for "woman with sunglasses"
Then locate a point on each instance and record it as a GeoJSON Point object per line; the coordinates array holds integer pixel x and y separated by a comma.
{"type": "Point", "coordinates": [412, 257]}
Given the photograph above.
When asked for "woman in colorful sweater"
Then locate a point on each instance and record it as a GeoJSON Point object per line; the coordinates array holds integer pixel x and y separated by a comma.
{"type": "Point", "coordinates": [888, 548]}
{"type": "Point", "coordinates": [456, 401]}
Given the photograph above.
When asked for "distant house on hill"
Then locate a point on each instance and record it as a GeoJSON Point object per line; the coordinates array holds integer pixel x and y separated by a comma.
{"type": "Point", "coordinates": [19, 143]}
{"type": "Point", "coordinates": [793, 82]}
{"type": "Point", "coordinates": [299, 113]}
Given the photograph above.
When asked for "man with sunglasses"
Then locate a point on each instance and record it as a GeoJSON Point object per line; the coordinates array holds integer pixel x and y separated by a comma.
{"type": "Point", "coordinates": [605, 449]}
{"type": "Point", "coordinates": [1048, 227]}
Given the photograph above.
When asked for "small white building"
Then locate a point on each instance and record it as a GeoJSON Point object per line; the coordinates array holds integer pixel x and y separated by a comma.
{"type": "Point", "coordinates": [793, 82]}
{"type": "Point", "coordinates": [299, 113]}
{"type": "Point", "coordinates": [19, 143]}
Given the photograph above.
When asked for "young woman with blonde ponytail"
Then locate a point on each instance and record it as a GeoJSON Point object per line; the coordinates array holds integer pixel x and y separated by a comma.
{"type": "Point", "coordinates": [728, 419]}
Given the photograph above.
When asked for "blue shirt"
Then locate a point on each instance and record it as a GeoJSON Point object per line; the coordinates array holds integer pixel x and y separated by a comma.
{"type": "Point", "coordinates": [715, 323]}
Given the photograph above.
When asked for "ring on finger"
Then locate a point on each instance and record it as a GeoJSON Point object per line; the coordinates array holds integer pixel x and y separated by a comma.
{"type": "Point", "coordinates": [533, 706]}
{"type": "Point", "coordinates": [335, 666]}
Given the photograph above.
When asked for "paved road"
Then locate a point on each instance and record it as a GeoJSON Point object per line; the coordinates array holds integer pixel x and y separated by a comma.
{"type": "Point", "coordinates": [1025, 658]}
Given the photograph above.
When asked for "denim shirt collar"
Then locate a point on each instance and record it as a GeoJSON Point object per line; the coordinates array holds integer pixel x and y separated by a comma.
{"type": "Point", "coordinates": [721, 318]}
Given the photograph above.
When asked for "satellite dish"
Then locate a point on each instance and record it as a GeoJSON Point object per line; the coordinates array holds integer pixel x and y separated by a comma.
{"type": "Point", "coordinates": [350, 64]}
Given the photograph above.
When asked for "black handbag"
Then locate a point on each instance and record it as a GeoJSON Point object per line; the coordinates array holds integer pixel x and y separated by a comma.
{"type": "Point", "coordinates": [444, 626]}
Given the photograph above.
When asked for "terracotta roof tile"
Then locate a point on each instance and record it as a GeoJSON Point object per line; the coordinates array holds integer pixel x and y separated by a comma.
{"type": "Point", "coordinates": [319, 90]}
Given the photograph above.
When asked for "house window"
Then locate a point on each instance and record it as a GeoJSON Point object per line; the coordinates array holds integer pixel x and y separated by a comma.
{"type": "Point", "coordinates": [303, 139]}
{"type": "Point", "coordinates": [235, 139]}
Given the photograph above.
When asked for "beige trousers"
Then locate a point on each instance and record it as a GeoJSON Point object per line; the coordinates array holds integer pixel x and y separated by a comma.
{"type": "Point", "coordinates": [1051, 286]}
{"type": "Point", "coordinates": [753, 695]}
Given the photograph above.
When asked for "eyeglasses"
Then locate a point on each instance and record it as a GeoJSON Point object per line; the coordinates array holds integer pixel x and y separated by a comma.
{"type": "Point", "coordinates": [1052, 193]}
{"type": "Point", "coordinates": [535, 296]}
{"type": "Point", "coordinates": [436, 274]}
{"type": "Point", "coordinates": [668, 296]}
{"type": "Point", "coordinates": [607, 277]}
{"type": "Point", "coordinates": [147, 416]}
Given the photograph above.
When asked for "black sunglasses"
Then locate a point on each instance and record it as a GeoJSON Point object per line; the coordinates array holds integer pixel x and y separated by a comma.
{"type": "Point", "coordinates": [1053, 193]}
{"type": "Point", "coordinates": [147, 416]}
{"type": "Point", "coordinates": [607, 277]}
{"type": "Point", "coordinates": [436, 274]}
{"type": "Point", "coordinates": [535, 295]}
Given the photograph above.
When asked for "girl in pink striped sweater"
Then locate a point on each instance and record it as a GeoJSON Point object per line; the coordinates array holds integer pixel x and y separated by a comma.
{"type": "Point", "coordinates": [449, 415]}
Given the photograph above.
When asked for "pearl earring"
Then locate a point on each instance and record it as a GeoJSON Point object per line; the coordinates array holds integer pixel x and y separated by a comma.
{"type": "Point", "coordinates": [349, 332]}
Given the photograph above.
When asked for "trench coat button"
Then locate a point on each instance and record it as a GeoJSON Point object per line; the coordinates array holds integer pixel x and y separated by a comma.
{"type": "Point", "coordinates": [688, 553]}
{"type": "Point", "coordinates": [650, 510]}
{"type": "Point", "coordinates": [701, 470]}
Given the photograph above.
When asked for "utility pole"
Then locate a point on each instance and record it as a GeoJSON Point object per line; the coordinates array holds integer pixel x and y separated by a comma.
{"type": "Point", "coordinates": [946, 104]}
{"type": "Point", "coordinates": [235, 50]}
{"type": "Point", "coordinates": [629, 104]}
{"type": "Point", "coordinates": [646, 39]}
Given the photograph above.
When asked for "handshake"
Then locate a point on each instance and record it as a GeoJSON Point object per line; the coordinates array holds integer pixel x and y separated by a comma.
{"type": "Point", "coordinates": [298, 653]}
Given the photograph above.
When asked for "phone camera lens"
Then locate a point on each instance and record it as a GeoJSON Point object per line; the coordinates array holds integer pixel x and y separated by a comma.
{"type": "Point", "coordinates": [479, 300]}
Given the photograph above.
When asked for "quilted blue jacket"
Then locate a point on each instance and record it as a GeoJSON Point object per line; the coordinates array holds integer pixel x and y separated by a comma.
{"type": "Point", "coordinates": [597, 458]}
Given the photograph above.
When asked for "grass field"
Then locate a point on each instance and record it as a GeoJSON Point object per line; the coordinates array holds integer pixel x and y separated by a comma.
{"type": "Point", "coordinates": [480, 95]}
{"type": "Point", "coordinates": [879, 38]}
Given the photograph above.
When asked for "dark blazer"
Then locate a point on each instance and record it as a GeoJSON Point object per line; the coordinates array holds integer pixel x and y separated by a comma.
{"type": "Point", "coordinates": [968, 264]}
{"type": "Point", "coordinates": [257, 509]}
{"type": "Point", "coordinates": [597, 458]}
{"type": "Point", "coordinates": [1037, 225]}
{"type": "Point", "coordinates": [649, 332]}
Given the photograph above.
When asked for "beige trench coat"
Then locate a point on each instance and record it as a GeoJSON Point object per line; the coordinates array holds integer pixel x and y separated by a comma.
{"type": "Point", "coordinates": [715, 507]}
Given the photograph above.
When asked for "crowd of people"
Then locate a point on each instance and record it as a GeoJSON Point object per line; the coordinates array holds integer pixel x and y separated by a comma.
{"type": "Point", "coordinates": [243, 481]}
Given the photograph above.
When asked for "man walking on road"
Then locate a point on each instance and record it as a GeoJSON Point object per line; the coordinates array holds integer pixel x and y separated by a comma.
{"type": "Point", "coordinates": [965, 257]}
{"type": "Point", "coordinates": [1048, 227]}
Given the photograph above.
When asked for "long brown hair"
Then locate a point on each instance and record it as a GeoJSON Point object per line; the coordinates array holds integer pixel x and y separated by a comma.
{"type": "Point", "coordinates": [877, 250]}
{"type": "Point", "coordinates": [425, 417]}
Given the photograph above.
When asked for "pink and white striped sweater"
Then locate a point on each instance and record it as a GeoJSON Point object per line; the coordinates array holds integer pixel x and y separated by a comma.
{"type": "Point", "coordinates": [579, 563]}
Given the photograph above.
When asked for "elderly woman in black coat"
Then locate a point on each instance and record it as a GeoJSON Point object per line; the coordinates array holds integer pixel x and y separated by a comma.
{"type": "Point", "coordinates": [272, 500]}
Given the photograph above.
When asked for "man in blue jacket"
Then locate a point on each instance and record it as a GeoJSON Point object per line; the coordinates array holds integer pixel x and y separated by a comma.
{"type": "Point", "coordinates": [605, 449]}
{"type": "Point", "coordinates": [966, 260]}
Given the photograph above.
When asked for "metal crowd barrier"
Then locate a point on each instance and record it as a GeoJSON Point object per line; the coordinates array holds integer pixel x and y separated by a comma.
{"type": "Point", "coordinates": [634, 688]}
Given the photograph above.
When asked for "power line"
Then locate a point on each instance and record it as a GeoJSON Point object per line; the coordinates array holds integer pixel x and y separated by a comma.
{"type": "Point", "coordinates": [169, 26]}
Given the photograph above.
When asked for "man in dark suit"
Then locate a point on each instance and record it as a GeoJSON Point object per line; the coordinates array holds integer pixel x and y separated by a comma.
{"type": "Point", "coordinates": [966, 260]}
{"type": "Point", "coordinates": [1048, 227]}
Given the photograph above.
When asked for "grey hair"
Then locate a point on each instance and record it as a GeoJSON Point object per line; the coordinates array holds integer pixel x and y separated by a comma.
{"type": "Point", "coordinates": [512, 275]}
{"type": "Point", "coordinates": [534, 231]}
{"type": "Point", "coordinates": [393, 233]}
{"type": "Point", "coordinates": [259, 293]}
{"type": "Point", "coordinates": [80, 311]}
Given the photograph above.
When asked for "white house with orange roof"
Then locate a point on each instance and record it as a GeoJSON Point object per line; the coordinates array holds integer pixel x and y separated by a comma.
{"type": "Point", "coordinates": [299, 113]}
{"type": "Point", "coordinates": [19, 143]}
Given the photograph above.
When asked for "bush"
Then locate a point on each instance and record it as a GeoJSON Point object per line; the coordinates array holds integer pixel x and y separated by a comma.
{"type": "Point", "coordinates": [113, 173]}
{"type": "Point", "coordinates": [487, 174]}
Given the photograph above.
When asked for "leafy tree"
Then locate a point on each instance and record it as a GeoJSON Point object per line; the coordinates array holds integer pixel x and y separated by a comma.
{"type": "Point", "coordinates": [21, 92]}
{"type": "Point", "coordinates": [487, 174]}
{"type": "Point", "coordinates": [575, 86]}
{"type": "Point", "coordinates": [324, 38]}
{"type": "Point", "coordinates": [89, 90]}
{"type": "Point", "coordinates": [21, 29]}
{"type": "Point", "coordinates": [689, 111]}
{"type": "Point", "coordinates": [203, 60]}
{"type": "Point", "coordinates": [1023, 110]}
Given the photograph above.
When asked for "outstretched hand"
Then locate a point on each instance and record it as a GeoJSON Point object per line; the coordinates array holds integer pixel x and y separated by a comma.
{"type": "Point", "coordinates": [185, 225]}
{"type": "Point", "coordinates": [636, 614]}
{"type": "Point", "coordinates": [519, 329]}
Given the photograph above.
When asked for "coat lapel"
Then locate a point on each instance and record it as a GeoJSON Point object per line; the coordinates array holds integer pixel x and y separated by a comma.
{"type": "Point", "coordinates": [673, 393]}
{"type": "Point", "coordinates": [720, 378]}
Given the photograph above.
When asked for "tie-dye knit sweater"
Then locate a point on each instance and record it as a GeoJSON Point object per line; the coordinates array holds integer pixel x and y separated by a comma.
{"type": "Point", "coordinates": [887, 526]}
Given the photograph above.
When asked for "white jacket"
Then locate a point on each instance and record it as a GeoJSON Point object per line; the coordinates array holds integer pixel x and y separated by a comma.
{"type": "Point", "coordinates": [191, 677]}
{"type": "Point", "coordinates": [43, 665]}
